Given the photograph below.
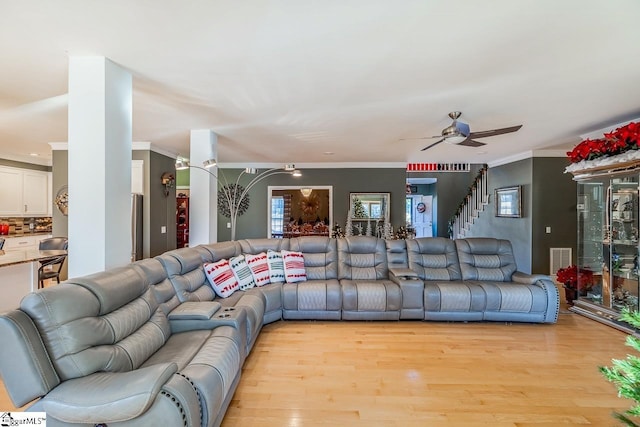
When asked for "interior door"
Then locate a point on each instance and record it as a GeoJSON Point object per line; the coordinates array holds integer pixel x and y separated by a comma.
{"type": "Point", "coordinates": [423, 215]}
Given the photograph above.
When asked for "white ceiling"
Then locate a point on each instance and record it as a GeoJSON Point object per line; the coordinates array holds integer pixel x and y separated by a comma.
{"type": "Point", "coordinates": [288, 80]}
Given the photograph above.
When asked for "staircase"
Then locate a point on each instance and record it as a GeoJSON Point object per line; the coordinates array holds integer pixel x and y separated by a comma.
{"type": "Point", "coordinates": [474, 203]}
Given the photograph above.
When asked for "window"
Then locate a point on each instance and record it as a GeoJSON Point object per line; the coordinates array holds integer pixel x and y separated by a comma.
{"type": "Point", "coordinates": [277, 216]}
{"type": "Point", "coordinates": [408, 210]}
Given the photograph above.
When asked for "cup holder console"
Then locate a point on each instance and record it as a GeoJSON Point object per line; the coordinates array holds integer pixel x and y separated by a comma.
{"type": "Point", "coordinates": [224, 315]}
{"type": "Point", "coordinates": [229, 309]}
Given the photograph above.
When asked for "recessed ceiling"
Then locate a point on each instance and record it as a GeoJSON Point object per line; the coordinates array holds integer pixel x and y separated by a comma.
{"type": "Point", "coordinates": [289, 81]}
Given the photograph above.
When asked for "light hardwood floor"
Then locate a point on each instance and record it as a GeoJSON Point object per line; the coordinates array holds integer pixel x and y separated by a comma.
{"type": "Point", "coordinates": [414, 373]}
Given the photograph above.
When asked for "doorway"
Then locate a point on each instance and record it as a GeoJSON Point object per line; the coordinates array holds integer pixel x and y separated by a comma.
{"type": "Point", "coordinates": [299, 211]}
{"type": "Point", "coordinates": [421, 205]}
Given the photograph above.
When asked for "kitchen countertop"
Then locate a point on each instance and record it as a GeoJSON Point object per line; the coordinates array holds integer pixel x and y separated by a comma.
{"type": "Point", "coordinates": [26, 233]}
{"type": "Point", "coordinates": [20, 257]}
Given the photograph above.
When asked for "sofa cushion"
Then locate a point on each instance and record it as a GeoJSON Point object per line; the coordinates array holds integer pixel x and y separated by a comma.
{"type": "Point", "coordinates": [486, 259]}
{"type": "Point", "coordinates": [362, 258]}
{"type": "Point", "coordinates": [259, 268]}
{"type": "Point", "coordinates": [242, 272]}
{"type": "Point", "coordinates": [434, 258]}
{"type": "Point", "coordinates": [221, 278]}
{"type": "Point", "coordinates": [294, 270]}
{"type": "Point", "coordinates": [276, 266]}
{"type": "Point", "coordinates": [320, 256]}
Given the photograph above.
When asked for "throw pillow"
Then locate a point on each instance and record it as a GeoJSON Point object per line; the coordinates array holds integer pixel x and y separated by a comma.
{"type": "Point", "coordinates": [242, 272]}
{"type": "Point", "coordinates": [259, 268]}
{"type": "Point", "coordinates": [276, 266]}
{"type": "Point", "coordinates": [294, 270]}
{"type": "Point", "coordinates": [221, 278]}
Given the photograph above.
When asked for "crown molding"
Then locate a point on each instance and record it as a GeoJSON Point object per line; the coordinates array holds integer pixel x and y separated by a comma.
{"type": "Point", "coordinates": [136, 145]}
{"type": "Point", "coordinates": [526, 155]}
{"type": "Point", "coordinates": [334, 165]}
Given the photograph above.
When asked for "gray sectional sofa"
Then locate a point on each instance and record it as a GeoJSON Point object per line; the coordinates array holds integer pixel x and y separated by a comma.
{"type": "Point", "coordinates": [151, 344]}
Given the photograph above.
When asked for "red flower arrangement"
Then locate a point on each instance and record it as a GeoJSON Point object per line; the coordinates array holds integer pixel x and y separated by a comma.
{"type": "Point", "coordinates": [623, 139]}
{"type": "Point", "coordinates": [572, 277]}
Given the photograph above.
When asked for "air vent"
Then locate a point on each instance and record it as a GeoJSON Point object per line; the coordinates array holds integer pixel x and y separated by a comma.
{"type": "Point", "coordinates": [558, 258]}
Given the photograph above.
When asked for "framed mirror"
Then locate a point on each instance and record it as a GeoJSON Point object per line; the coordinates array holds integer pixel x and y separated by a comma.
{"type": "Point", "coordinates": [366, 206]}
{"type": "Point", "coordinates": [295, 211]}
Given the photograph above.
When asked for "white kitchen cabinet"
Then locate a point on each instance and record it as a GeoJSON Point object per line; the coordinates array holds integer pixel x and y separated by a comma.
{"type": "Point", "coordinates": [35, 192]}
{"type": "Point", "coordinates": [11, 191]}
{"type": "Point", "coordinates": [23, 192]}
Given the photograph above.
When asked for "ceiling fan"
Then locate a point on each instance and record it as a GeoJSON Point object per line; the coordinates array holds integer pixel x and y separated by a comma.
{"type": "Point", "coordinates": [459, 133]}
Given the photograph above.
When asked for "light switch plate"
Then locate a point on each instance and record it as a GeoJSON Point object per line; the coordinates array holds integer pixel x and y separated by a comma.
{"type": "Point", "coordinates": [163, 229]}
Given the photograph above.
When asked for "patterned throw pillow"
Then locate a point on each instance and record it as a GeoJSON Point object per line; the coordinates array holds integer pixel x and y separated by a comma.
{"type": "Point", "coordinates": [221, 278]}
{"type": "Point", "coordinates": [276, 266]}
{"type": "Point", "coordinates": [242, 272]}
{"type": "Point", "coordinates": [259, 268]}
{"type": "Point", "coordinates": [294, 270]}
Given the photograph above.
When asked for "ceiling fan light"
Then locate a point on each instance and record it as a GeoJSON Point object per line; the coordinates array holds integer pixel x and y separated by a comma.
{"type": "Point", "coordinates": [455, 139]}
{"type": "Point", "coordinates": [306, 192]}
{"type": "Point", "coordinates": [296, 173]}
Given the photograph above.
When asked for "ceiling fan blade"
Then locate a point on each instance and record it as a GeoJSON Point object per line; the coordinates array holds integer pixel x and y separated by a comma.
{"type": "Point", "coordinates": [471, 143]}
{"type": "Point", "coordinates": [432, 145]}
{"type": "Point", "coordinates": [421, 137]}
{"type": "Point", "coordinates": [494, 132]}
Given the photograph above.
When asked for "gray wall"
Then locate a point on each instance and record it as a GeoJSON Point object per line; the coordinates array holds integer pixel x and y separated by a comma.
{"type": "Point", "coordinates": [517, 230]}
{"type": "Point", "coordinates": [158, 210]}
{"type": "Point", "coordinates": [60, 160]}
{"type": "Point", "coordinates": [23, 165]}
{"type": "Point", "coordinates": [253, 224]}
{"type": "Point", "coordinates": [451, 188]}
{"type": "Point", "coordinates": [554, 205]}
{"type": "Point", "coordinates": [549, 200]}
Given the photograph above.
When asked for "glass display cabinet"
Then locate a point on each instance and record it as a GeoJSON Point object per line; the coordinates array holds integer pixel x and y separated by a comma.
{"type": "Point", "coordinates": [607, 210]}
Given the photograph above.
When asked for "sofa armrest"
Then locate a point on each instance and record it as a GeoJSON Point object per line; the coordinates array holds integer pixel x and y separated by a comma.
{"type": "Point", "coordinates": [550, 288]}
{"type": "Point", "coordinates": [412, 288]}
{"type": "Point", "coordinates": [201, 310]}
{"type": "Point", "coordinates": [528, 279]}
{"type": "Point", "coordinates": [403, 273]}
{"type": "Point", "coordinates": [108, 397]}
{"type": "Point", "coordinates": [25, 366]}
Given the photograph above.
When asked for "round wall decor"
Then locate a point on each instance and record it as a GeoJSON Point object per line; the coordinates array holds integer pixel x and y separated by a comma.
{"type": "Point", "coordinates": [62, 200]}
{"type": "Point", "coordinates": [235, 191]}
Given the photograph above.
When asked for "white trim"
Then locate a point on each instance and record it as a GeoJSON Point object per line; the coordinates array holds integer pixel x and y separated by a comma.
{"type": "Point", "coordinates": [270, 189]}
{"type": "Point", "coordinates": [527, 155]}
{"type": "Point", "coordinates": [59, 146]}
{"type": "Point", "coordinates": [345, 165]}
{"type": "Point", "coordinates": [144, 145]}
{"type": "Point", "coordinates": [136, 145]}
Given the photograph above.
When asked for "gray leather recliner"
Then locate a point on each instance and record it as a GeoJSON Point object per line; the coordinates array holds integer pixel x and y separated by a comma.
{"type": "Point", "coordinates": [367, 291]}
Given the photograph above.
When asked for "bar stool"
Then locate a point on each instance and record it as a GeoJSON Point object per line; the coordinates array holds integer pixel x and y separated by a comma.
{"type": "Point", "coordinates": [50, 268]}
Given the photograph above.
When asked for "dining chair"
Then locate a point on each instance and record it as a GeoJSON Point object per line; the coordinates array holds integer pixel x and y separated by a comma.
{"type": "Point", "coordinates": [50, 268]}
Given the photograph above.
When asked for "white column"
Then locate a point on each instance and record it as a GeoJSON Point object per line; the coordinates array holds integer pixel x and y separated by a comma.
{"type": "Point", "coordinates": [203, 189]}
{"type": "Point", "coordinates": [100, 116]}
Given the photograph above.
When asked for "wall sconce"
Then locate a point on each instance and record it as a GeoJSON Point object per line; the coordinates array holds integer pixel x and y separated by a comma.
{"type": "Point", "coordinates": [168, 180]}
{"type": "Point", "coordinates": [306, 192]}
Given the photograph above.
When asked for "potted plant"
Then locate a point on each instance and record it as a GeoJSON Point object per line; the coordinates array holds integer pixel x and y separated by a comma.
{"type": "Point", "coordinates": [575, 281]}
